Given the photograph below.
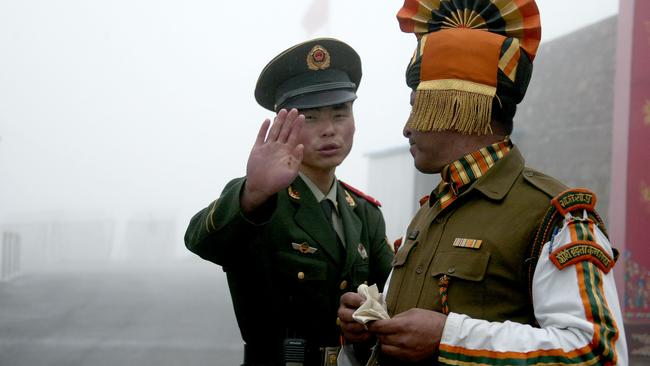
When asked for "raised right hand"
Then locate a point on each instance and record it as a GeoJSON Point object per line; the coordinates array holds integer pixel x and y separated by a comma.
{"type": "Point", "coordinates": [275, 159]}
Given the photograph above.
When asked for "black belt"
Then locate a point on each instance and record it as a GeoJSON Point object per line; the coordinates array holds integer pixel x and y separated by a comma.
{"type": "Point", "coordinates": [263, 356]}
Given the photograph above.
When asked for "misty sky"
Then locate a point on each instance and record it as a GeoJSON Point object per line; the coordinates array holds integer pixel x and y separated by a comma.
{"type": "Point", "coordinates": [143, 107]}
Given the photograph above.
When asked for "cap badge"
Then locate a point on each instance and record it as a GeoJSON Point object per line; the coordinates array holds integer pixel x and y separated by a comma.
{"type": "Point", "coordinates": [318, 58]}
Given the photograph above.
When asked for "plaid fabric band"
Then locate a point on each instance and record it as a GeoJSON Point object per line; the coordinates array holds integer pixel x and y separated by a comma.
{"type": "Point", "coordinates": [459, 174]}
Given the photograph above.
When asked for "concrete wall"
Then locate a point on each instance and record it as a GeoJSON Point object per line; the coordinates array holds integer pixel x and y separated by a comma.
{"type": "Point", "coordinates": [564, 124]}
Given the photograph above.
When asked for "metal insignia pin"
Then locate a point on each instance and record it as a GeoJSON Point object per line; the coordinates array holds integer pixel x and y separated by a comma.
{"type": "Point", "coordinates": [349, 199]}
{"type": "Point", "coordinates": [362, 251]}
{"type": "Point", "coordinates": [304, 248]}
{"type": "Point", "coordinates": [293, 193]}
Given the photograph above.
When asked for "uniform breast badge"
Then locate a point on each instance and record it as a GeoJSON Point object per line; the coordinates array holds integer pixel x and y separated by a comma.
{"type": "Point", "coordinates": [362, 251]}
{"type": "Point", "coordinates": [304, 248]}
{"type": "Point", "coordinates": [467, 243]}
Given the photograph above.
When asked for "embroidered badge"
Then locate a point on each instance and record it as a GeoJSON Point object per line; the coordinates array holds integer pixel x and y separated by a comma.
{"type": "Point", "coordinates": [468, 243]}
{"type": "Point", "coordinates": [579, 251]}
{"type": "Point", "coordinates": [362, 251]}
{"type": "Point", "coordinates": [574, 199]}
{"type": "Point", "coordinates": [304, 248]}
{"type": "Point", "coordinates": [293, 193]}
{"type": "Point", "coordinates": [318, 58]}
{"type": "Point", "coordinates": [349, 199]}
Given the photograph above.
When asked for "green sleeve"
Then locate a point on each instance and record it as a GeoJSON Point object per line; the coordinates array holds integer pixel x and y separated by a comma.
{"type": "Point", "coordinates": [220, 232]}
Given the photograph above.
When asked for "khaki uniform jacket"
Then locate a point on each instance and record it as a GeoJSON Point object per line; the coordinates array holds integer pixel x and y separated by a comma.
{"type": "Point", "coordinates": [286, 275]}
{"type": "Point", "coordinates": [502, 209]}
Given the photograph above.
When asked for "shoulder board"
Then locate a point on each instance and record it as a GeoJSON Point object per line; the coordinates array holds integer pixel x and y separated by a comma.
{"type": "Point", "coordinates": [424, 199]}
{"type": "Point", "coordinates": [361, 194]}
{"type": "Point", "coordinates": [545, 183]}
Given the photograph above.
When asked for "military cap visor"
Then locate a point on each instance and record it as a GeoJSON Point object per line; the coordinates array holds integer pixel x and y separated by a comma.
{"type": "Point", "coordinates": [316, 73]}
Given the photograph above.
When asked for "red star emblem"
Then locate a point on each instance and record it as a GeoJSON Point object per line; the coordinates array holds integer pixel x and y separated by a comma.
{"type": "Point", "coordinates": [319, 55]}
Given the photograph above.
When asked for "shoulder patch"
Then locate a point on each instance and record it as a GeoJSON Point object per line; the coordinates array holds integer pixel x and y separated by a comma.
{"type": "Point", "coordinates": [582, 250]}
{"type": "Point", "coordinates": [563, 203]}
{"type": "Point", "coordinates": [575, 199]}
{"type": "Point", "coordinates": [361, 194]}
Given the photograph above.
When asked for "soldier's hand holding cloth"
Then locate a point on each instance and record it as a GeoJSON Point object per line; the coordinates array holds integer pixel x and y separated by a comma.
{"type": "Point", "coordinates": [411, 335]}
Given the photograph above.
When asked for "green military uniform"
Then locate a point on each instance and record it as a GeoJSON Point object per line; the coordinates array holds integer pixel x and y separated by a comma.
{"type": "Point", "coordinates": [286, 264]}
{"type": "Point", "coordinates": [287, 273]}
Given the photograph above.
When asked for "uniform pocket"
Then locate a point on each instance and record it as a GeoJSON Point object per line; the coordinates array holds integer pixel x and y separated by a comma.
{"type": "Point", "coordinates": [359, 273]}
{"type": "Point", "coordinates": [300, 267]}
{"type": "Point", "coordinates": [470, 266]}
{"type": "Point", "coordinates": [465, 288]}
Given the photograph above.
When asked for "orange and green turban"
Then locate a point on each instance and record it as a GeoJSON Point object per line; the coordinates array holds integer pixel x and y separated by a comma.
{"type": "Point", "coordinates": [473, 61]}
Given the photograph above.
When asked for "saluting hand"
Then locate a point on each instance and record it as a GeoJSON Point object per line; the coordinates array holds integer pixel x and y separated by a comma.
{"type": "Point", "coordinates": [275, 159]}
{"type": "Point", "coordinates": [353, 331]}
{"type": "Point", "coordinates": [413, 335]}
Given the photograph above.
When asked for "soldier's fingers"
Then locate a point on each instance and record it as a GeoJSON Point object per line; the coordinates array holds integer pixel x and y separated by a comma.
{"type": "Point", "coordinates": [296, 127]}
{"type": "Point", "coordinates": [351, 300]}
{"type": "Point", "coordinates": [261, 134]}
{"type": "Point", "coordinates": [280, 118]}
{"type": "Point", "coordinates": [287, 126]}
{"type": "Point", "coordinates": [382, 326]}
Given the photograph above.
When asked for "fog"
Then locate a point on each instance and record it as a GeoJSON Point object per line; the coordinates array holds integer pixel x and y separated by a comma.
{"type": "Point", "coordinates": [139, 109]}
{"type": "Point", "coordinates": [121, 119]}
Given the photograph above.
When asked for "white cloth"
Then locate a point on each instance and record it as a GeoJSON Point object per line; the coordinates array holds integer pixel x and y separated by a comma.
{"type": "Point", "coordinates": [374, 308]}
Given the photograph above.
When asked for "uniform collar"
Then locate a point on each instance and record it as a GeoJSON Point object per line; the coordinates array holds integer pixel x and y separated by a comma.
{"type": "Point", "coordinates": [496, 183]}
{"type": "Point", "coordinates": [331, 195]}
{"type": "Point", "coordinates": [458, 176]}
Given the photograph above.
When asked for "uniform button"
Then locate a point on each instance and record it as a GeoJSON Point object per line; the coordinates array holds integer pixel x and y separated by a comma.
{"type": "Point", "coordinates": [451, 270]}
{"type": "Point", "coordinates": [343, 285]}
{"type": "Point", "coordinates": [301, 275]}
{"type": "Point", "coordinates": [419, 269]}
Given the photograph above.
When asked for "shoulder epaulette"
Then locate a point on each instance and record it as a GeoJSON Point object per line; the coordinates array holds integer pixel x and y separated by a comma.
{"type": "Point", "coordinates": [361, 194]}
{"type": "Point", "coordinates": [568, 201]}
{"type": "Point", "coordinates": [545, 183]}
